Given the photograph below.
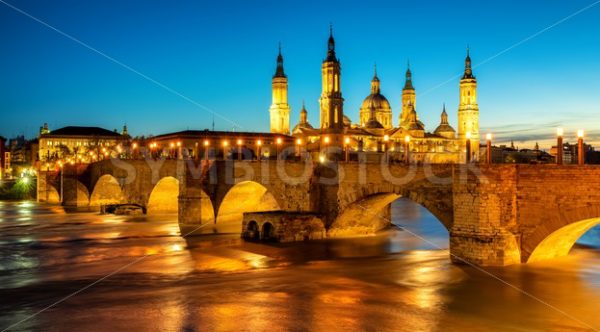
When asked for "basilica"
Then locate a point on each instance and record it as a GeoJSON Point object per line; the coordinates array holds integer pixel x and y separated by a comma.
{"type": "Point", "coordinates": [375, 130]}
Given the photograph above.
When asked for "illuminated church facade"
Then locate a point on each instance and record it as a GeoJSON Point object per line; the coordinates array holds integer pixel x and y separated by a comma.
{"type": "Point", "coordinates": [375, 130]}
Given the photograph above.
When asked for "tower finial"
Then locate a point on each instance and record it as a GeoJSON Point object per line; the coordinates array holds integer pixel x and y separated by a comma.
{"type": "Point", "coordinates": [408, 64]}
{"type": "Point", "coordinates": [331, 45]}
{"type": "Point", "coordinates": [468, 69]}
{"type": "Point", "coordinates": [408, 81]}
{"type": "Point", "coordinates": [279, 71]}
{"type": "Point", "coordinates": [375, 70]}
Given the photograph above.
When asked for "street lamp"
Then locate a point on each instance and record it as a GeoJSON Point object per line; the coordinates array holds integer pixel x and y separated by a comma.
{"type": "Point", "coordinates": [278, 142]}
{"type": "Point", "coordinates": [559, 146]}
{"type": "Point", "coordinates": [386, 139]}
{"type": "Point", "coordinates": [407, 148]}
{"type": "Point", "coordinates": [206, 145]}
{"type": "Point", "coordinates": [258, 145]}
{"type": "Point", "coordinates": [225, 145]}
{"type": "Point", "coordinates": [298, 147]}
{"type": "Point", "coordinates": [580, 154]}
{"type": "Point", "coordinates": [488, 138]}
{"type": "Point", "coordinates": [347, 148]}
{"type": "Point", "coordinates": [239, 144]}
{"type": "Point", "coordinates": [468, 143]}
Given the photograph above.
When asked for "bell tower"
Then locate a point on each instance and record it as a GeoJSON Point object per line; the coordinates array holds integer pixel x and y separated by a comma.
{"type": "Point", "coordinates": [468, 110]}
{"type": "Point", "coordinates": [409, 98]}
{"type": "Point", "coordinates": [331, 101]}
{"type": "Point", "coordinates": [280, 109]}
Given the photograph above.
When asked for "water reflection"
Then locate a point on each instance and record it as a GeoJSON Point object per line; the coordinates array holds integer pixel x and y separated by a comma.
{"type": "Point", "coordinates": [392, 281]}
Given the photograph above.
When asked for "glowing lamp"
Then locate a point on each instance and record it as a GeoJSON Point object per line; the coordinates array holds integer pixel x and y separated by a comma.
{"type": "Point", "coordinates": [326, 139]}
{"type": "Point", "coordinates": [206, 142]}
{"type": "Point", "coordinates": [279, 140]}
{"type": "Point", "coordinates": [407, 139]}
{"type": "Point", "coordinates": [258, 142]}
{"type": "Point", "coordinates": [322, 158]}
{"type": "Point", "coordinates": [468, 135]}
{"type": "Point", "coordinates": [134, 145]}
{"type": "Point", "coordinates": [239, 142]}
{"type": "Point", "coordinates": [172, 144]}
{"type": "Point", "coordinates": [386, 138]}
{"type": "Point", "coordinates": [580, 133]}
{"type": "Point", "coordinates": [178, 144]}
{"type": "Point", "coordinates": [488, 137]}
{"type": "Point", "coordinates": [559, 132]}
{"type": "Point", "coordinates": [225, 143]}
{"type": "Point", "coordinates": [347, 140]}
{"type": "Point", "coordinates": [299, 141]}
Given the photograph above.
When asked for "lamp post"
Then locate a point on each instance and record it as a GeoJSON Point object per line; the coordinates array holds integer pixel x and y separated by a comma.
{"type": "Point", "coordinates": [580, 153]}
{"type": "Point", "coordinates": [239, 144]}
{"type": "Point", "coordinates": [206, 145]}
{"type": "Point", "coordinates": [179, 151]}
{"type": "Point", "coordinates": [60, 165]}
{"type": "Point", "coordinates": [488, 139]}
{"type": "Point", "coordinates": [299, 147]}
{"type": "Point", "coordinates": [134, 147]}
{"type": "Point", "coordinates": [278, 142]}
{"type": "Point", "coordinates": [468, 136]}
{"type": "Point", "coordinates": [326, 143]}
{"type": "Point", "coordinates": [258, 144]}
{"type": "Point", "coordinates": [347, 148]}
{"type": "Point", "coordinates": [386, 139]}
{"type": "Point", "coordinates": [225, 145]}
{"type": "Point", "coordinates": [407, 149]}
{"type": "Point", "coordinates": [559, 146]}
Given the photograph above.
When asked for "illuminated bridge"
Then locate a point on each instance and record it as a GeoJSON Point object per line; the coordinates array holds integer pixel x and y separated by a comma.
{"type": "Point", "coordinates": [495, 214]}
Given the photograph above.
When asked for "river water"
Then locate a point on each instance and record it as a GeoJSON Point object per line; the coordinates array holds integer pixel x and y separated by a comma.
{"type": "Point", "coordinates": [88, 272]}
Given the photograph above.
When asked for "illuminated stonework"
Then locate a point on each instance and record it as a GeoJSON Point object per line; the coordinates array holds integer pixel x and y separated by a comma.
{"type": "Point", "coordinates": [280, 109]}
{"type": "Point", "coordinates": [376, 132]}
{"type": "Point", "coordinates": [468, 110]}
{"type": "Point", "coordinates": [377, 103]}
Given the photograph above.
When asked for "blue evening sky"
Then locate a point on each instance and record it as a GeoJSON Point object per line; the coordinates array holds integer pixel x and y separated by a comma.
{"type": "Point", "coordinates": [221, 55]}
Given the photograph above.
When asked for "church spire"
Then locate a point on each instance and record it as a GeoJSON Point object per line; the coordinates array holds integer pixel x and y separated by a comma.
{"type": "Point", "coordinates": [408, 82]}
{"type": "Point", "coordinates": [279, 71]}
{"type": "Point", "coordinates": [468, 69]}
{"type": "Point", "coordinates": [303, 114]}
{"type": "Point", "coordinates": [375, 84]}
{"type": "Point", "coordinates": [331, 46]}
{"type": "Point", "coordinates": [444, 117]}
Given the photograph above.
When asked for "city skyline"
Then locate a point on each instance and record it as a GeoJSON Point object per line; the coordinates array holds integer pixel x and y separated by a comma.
{"type": "Point", "coordinates": [232, 77]}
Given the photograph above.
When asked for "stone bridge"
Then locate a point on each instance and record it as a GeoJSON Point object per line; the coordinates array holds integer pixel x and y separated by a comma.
{"type": "Point", "coordinates": [495, 214]}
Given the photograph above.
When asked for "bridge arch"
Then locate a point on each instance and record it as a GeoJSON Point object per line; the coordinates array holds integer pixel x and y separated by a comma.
{"type": "Point", "coordinates": [556, 237]}
{"type": "Point", "coordinates": [52, 195]}
{"type": "Point", "coordinates": [83, 195]}
{"type": "Point", "coordinates": [364, 212]}
{"type": "Point", "coordinates": [106, 191]}
{"type": "Point", "coordinates": [164, 197]}
{"type": "Point", "coordinates": [246, 196]}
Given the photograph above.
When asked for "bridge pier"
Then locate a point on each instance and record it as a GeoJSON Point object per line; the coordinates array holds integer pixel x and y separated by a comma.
{"type": "Point", "coordinates": [484, 231]}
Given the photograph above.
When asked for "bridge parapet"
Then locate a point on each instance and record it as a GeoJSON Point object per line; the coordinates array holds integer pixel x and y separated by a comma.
{"type": "Point", "coordinates": [504, 214]}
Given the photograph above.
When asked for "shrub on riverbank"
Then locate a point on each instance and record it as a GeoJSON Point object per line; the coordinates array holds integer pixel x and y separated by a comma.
{"type": "Point", "coordinates": [22, 188]}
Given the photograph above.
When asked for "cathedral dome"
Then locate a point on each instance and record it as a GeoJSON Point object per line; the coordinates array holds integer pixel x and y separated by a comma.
{"type": "Point", "coordinates": [378, 101]}
{"type": "Point", "coordinates": [444, 129]}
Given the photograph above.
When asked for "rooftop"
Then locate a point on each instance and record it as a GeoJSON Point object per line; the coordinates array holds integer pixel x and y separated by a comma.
{"type": "Point", "coordinates": [210, 133]}
{"type": "Point", "coordinates": [82, 131]}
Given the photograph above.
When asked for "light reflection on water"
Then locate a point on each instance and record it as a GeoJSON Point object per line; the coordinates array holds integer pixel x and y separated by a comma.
{"type": "Point", "coordinates": [392, 281]}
